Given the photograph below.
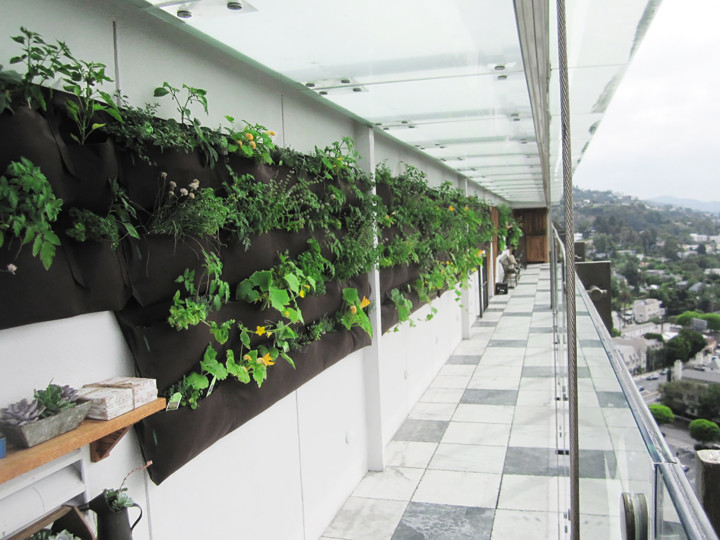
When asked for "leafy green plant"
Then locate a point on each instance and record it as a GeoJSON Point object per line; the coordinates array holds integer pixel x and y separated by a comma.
{"type": "Point", "coordinates": [661, 413]}
{"type": "Point", "coordinates": [42, 62]}
{"type": "Point", "coordinates": [354, 312]}
{"type": "Point", "coordinates": [81, 78]}
{"type": "Point", "coordinates": [182, 103]}
{"type": "Point", "coordinates": [28, 207]}
{"type": "Point", "coordinates": [187, 211]}
{"type": "Point", "coordinates": [56, 398]}
{"type": "Point", "coordinates": [704, 430]}
{"type": "Point", "coordinates": [117, 499]}
{"type": "Point", "coordinates": [212, 292]}
{"type": "Point", "coordinates": [253, 141]}
{"type": "Point", "coordinates": [113, 226]}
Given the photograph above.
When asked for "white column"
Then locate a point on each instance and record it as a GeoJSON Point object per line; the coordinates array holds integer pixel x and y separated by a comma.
{"type": "Point", "coordinates": [365, 144]}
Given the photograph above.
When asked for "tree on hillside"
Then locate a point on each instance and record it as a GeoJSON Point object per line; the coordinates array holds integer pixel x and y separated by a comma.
{"type": "Point", "coordinates": [677, 349]}
{"type": "Point", "coordinates": [695, 340]}
{"type": "Point", "coordinates": [710, 402]}
{"type": "Point", "coordinates": [713, 320]}
{"type": "Point", "coordinates": [631, 271]}
{"type": "Point", "coordinates": [685, 318]}
{"type": "Point", "coordinates": [704, 430]}
{"type": "Point", "coordinates": [662, 414]}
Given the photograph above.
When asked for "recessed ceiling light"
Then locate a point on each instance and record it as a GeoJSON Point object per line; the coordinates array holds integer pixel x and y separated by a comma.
{"type": "Point", "coordinates": [499, 67]}
{"type": "Point", "coordinates": [310, 84]}
{"type": "Point", "coordinates": [403, 121]}
{"type": "Point", "coordinates": [502, 77]}
{"type": "Point", "coordinates": [345, 81]}
{"type": "Point", "coordinates": [234, 6]}
{"type": "Point", "coordinates": [411, 126]}
{"type": "Point", "coordinates": [184, 13]}
{"type": "Point", "coordinates": [516, 119]}
{"type": "Point", "coordinates": [357, 89]}
{"type": "Point", "coordinates": [323, 92]}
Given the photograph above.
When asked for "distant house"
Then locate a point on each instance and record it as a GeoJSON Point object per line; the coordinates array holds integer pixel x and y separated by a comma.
{"type": "Point", "coordinates": [712, 271]}
{"type": "Point", "coordinates": [633, 352]}
{"type": "Point", "coordinates": [647, 309]}
{"type": "Point", "coordinates": [699, 381]}
{"type": "Point", "coordinates": [696, 288]}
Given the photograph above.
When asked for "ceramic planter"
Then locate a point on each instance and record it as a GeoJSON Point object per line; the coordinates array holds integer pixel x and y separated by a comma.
{"type": "Point", "coordinates": [46, 428]}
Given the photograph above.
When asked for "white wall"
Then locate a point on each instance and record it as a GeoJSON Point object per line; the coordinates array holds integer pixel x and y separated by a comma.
{"type": "Point", "coordinates": [284, 474]}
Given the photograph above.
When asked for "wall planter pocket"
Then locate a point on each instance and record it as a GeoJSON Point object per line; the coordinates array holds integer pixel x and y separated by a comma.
{"type": "Point", "coordinates": [34, 294]}
{"type": "Point", "coordinates": [155, 261]}
{"type": "Point", "coordinates": [44, 429]}
{"type": "Point", "coordinates": [160, 351]}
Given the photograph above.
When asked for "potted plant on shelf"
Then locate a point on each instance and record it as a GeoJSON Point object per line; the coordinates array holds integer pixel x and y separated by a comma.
{"type": "Point", "coordinates": [53, 411]}
{"type": "Point", "coordinates": [111, 507]}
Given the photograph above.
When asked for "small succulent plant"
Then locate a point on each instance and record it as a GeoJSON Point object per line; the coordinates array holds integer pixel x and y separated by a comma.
{"type": "Point", "coordinates": [23, 412]}
{"type": "Point", "coordinates": [56, 398]}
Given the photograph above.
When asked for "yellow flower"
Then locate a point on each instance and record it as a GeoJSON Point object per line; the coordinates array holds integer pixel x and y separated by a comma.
{"type": "Point", "coordinates": [271, 133]}
{"type": "Point", "coordinates": [451, 208]}
{"type": "Point", "coordinates": [247, 357]}
{"type": "Point", "coordinates": [269, 334]}
{"type": "Point", "coordinates": [239, 142]}
{"type": "Point", "coordinates": [249, 136]}
{"type": "Point", "coordinates": [267, 360]}
{"type": "Point", "coordinates": [286, 313]}
{"type": "Point", "coordinates": [364, 302]}
{"type": "Point", "coordinates": [260, 330]}
{"type": "Point", "coordinates": [253, 145]}
{"type": "Point", "coordinates": [353, 310]}
{"type": "Point", "coordinates": [307, 286]}
{"type": "Point", "coordinates": [302, 293]}
{"type": "Point", "coordinates": [467, 207]}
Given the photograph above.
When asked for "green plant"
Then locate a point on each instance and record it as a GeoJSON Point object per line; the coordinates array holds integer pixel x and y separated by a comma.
{"type": "Point", "coordinates": [81, 79]}
{"type": "Point", "coordinates": [354, 312]}
{"type": "Point", "coordinates": [661, 413]}
{"type": "Point", "coordinates": [114, 226]}
{"type": "Point", "coordinates": [193, 308]}
{"type": "Point", "coordinates": [187, 211]}
{"type": "Point", "coordinates": [42, 62]}
{"type": "Point", "coordinates": [253, 141]}
{"type": "Point", "coordinates": [46, 534]}
{"type": "Point", "coordinates": [56, 398]}
{"type": "Point", "coordinates": [117, 499]}
{"type": "Point", "coordinates": [704, 430]}
{"type": "Point", "coordinates": [22, 412]}
{"type": "Point", "coordinates": [182, 104]}
{"type": "Point", "coordinates": [28, 207]}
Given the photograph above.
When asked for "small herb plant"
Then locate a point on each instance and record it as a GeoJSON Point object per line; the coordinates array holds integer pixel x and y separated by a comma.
{"type": "Point", "coordinates": [28, 207]}
{"type": "Point", "coordinates": [118, 499]}
{"type": "Point", "coordinates": [114, 226]}
{"type": "Point", "coordinates": [254, 141]}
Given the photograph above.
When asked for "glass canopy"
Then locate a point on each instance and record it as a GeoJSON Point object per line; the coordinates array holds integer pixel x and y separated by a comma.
{"type": "Point", "coordinates": [463, 81]}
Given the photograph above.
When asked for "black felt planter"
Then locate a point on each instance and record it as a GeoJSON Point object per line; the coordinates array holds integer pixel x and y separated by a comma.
{"type": "Point", "coordinates": [155, 261]}
{"type": "Point", "coordinates": [389, 314]}
{"type": "Point", "coordinates": [160, 351]}
{"type": "Point", "coordinates": [172, 439]}
{"type": "Point", "coordinates": [397, 276]}
{"type": "Point", "coordinates": [34, 294]}
{"type": "Point", "coordinates": [27, 133]}
{"type": "Point", "coordinates": [99, 271]}
{"type": "Point", "coordinates": [263, 253]}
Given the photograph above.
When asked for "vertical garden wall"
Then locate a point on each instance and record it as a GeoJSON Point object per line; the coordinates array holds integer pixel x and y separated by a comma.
{"type": "Point", "coordinates": [235, 259]}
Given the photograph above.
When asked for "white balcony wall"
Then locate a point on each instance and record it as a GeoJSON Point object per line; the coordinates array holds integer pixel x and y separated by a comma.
{"type": "Point", "coordinates": [285, 473]}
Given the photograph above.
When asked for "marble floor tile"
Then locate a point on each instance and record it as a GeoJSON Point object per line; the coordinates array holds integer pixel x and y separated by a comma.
{"type": "Point", "coordinates": [476, 433]}
{"type": "Point", "coordinates": [600, 497]}
{"type": "Point", "coordinates": [432, 411]}
{"type": "Point", "coordinates": [442, 395]}
{"type": "Point", "coordinates": [464, 360]}
{"type": "Point", "coordinates": [394, 483]}
{"type": "Point", "coordinates": [533, 436]}
{"type": "Point", "coordinates": [409, 453]}
{"type": "Point", "coordinates": [458, 488]}
{"type": "Point", "coordinates": [534, 398]}
{"type": "Point", "coordinates": [469, 457]}
{"type": "Point", "coordinates": [481, 381]}
{"type": "Point", "coordinates": [457, 370]}
{"type": "Point", "coordinates": [521, 492]}
{"type": "Point", "coordinates": [525, 525]}
{"type": "Point", "coordinates": [487, 414]}
{"type": "Point", "coordinates": [497, 371]}
{"type": "Point", "coordinates": [489, 397]}
{"type": "Point", "coordinates": [536, 416]}
{"type": "Point", "coordinates": [508, 343]}
{"type": "Point", "coordinates": [425, 521]}
{"type": "Point", "coordinates": [612, 399]}
{"type": "Point", "coordinates": [600, 527]}
{"type": "Point", "coordinates": [366, 519]}
{"type": "Point", "coordinates": [534, 461]}
{"type": "Point", "coordinates": [421, 430]}
{"type": "Point", "coordinates": [450, 381]}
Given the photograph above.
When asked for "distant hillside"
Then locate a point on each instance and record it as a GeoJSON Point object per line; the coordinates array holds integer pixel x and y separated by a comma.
{"type": "Point", "coordinates": [702, 206]}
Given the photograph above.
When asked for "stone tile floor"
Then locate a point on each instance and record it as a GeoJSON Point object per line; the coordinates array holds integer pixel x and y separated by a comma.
{"type": "Point", "coordinates": [477, 456]}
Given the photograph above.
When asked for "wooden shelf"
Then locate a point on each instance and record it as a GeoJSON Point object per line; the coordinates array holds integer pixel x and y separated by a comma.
{"type": "Point", "coordinates": [101, 435]}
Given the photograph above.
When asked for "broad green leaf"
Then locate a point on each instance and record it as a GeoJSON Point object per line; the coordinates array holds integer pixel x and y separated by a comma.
{"type": "Point", "coordinates": [37, 244]}
{"type": "Point", "coordinates": [350, 295]}
{"type": "Point", "coordinates": [245, 291]}
{"type": "Point", "coordinates": [160, 92]}
{"type": "Point", "coordinates": [279, 299]}
{"type": "Point", "coordinates": [198, 381]}
{"type": "Point", "coordinates": [47, 253]}
{"type": "Point", "coordinates": [292, 282]}
{"type": "Point", "coordinates": [288, 359]}
{"type": "Point", "coordinates": [211, 365]}
{"type": "Point", "coordinates": [262, 279]}
{"type": "Point", "coordinates": [97, 126]}
{"type": "Point", "coordinates": [259, 374]}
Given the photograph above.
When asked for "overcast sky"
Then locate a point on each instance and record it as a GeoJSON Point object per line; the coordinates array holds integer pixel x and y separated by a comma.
{"type": "Point", "coordinates": [660, 134]}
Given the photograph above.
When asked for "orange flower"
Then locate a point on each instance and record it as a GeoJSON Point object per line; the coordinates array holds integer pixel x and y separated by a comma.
{"type": "Point", "coordinates": [271, 133]}
{"type": "Point", "coordinates": [451, 208]}
{"type": "Point", "coordinates": [364, 302]}
{"type": "Point", "coordinates": [249, 136]}
{"type": "Point", "coordinates": [253, 145]}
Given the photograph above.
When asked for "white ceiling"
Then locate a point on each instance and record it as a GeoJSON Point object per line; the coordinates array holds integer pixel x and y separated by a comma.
{"type": "Point", "coordinates": [453, 78]}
